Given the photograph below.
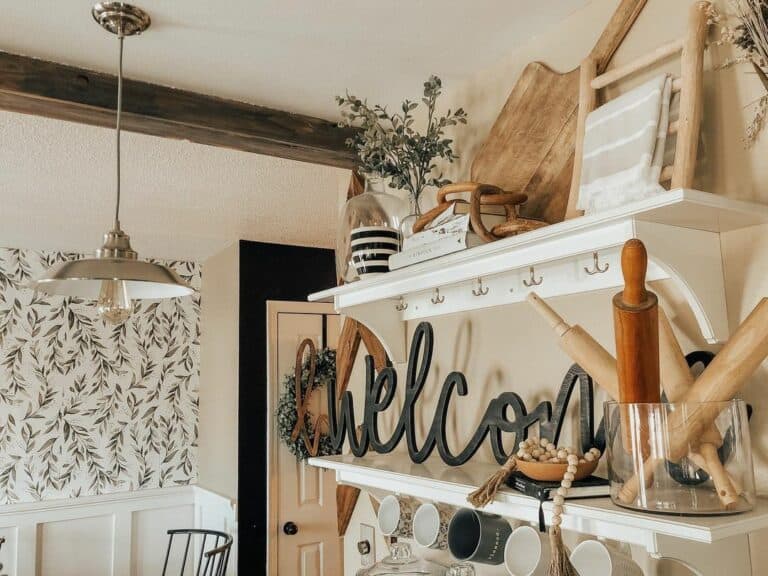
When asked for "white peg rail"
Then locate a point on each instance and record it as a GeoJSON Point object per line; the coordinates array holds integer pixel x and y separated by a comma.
{"type": "Point", "coordinates": [681, 230]}
{"type": "Point", "coordinates": [715, 545]}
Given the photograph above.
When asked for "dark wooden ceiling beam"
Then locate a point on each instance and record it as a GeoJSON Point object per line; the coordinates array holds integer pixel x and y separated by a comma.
{"type": "Point", "coordinates": [33, 86]}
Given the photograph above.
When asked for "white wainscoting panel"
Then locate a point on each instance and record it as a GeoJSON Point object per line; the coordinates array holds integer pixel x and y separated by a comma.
{"type": "Point", "coordinates": [111, 535]}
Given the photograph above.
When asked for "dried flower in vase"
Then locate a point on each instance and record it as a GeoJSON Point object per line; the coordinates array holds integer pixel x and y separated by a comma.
{"type": "Point", "coordinates": [749, 34]}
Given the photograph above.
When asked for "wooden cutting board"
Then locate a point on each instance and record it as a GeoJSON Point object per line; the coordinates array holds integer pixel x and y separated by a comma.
{"type": "Point", "coordinates": [530, 146]}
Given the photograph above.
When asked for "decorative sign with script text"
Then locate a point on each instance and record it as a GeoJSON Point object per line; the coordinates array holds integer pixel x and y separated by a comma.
{"type": "Point", "coordinates": [505, 415]}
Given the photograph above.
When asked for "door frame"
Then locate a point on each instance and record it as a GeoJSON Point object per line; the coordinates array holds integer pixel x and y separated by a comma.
{"type": "Point", "coordinates": [274, 309]}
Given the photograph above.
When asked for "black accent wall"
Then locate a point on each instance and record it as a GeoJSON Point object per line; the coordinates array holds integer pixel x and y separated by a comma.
{"type": "Point", "coordinates": [267, 272]}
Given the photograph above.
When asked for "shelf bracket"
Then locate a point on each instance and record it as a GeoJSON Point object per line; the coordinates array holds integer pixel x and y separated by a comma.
{"type": "Point", "coordinates": [692, 258]}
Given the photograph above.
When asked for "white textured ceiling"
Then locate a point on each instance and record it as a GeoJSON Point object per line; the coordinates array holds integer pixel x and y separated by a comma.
{"type": "Point", "coordinates": [292, 55]}
{"type": "Point", "coordinates": [183, 200]}
{"type": "Point", "coordinates": [180, 200]}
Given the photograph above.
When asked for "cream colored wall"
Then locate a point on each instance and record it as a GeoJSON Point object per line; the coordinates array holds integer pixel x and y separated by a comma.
{"type": "Point", "coordinates": [218, 440]}
{"type": "Point", "coordinates": [509, 348]}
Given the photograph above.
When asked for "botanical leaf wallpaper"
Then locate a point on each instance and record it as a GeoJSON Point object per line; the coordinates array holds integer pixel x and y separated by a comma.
{"type": "Point", "coordinates": [88, 408]}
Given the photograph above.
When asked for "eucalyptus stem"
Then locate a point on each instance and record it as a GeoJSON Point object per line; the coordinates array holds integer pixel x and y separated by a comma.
{"type": "Point", "coordinates": [388, 144]}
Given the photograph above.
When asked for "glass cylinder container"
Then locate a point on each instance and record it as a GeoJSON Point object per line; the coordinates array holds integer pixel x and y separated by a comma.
{"type": "Point", "coordinates": [676, 458]}
{"type": "Point", "coordinates": [402, 561]}
{"type": "Point", "coordinates": [373, 218]}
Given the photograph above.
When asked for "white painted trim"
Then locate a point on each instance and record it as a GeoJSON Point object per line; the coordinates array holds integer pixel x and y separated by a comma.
{"type": "Point", "coordinates": [26, 519]}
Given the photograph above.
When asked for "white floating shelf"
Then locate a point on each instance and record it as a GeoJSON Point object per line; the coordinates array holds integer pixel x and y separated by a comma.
{"type": "Point", "coordinates": [681, 230]}
{"type": "Point", "coordinates": [437, 482]}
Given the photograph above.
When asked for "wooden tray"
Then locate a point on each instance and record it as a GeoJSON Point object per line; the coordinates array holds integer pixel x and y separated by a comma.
{"type": "Point", "coordinates": [548, 472]}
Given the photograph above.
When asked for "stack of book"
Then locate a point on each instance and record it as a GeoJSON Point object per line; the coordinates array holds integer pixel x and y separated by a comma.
{"type": "Point", "coordinates": [448, 233]}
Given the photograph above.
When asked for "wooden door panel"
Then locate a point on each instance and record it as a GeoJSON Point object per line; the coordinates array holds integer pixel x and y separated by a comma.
{"type": "Point", "coordinates": [301, 494]}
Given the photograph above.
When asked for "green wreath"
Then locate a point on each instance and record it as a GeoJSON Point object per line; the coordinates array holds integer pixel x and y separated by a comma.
{"type": "Point", "coordinates": [286, 414]}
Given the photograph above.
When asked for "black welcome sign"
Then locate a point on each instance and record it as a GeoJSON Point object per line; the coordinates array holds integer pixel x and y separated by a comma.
{"type": "Point", "coordinates": [506, 414]}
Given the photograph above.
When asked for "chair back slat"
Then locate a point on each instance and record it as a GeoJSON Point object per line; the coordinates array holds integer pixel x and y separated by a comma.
{"type": "Point", "coordinates": [216, 556]}
{"type": "Point", "coordinates": [167, 554]}
{"type": "Point", "coordinates": [200, 558]}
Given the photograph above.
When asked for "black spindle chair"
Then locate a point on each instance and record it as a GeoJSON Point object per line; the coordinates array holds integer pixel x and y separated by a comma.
{"type": "Point", "coordinates": [211, 562]}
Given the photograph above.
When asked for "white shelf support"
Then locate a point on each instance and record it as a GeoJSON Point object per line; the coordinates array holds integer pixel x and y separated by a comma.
{"type": "Point", "coordinates": [692, 258]}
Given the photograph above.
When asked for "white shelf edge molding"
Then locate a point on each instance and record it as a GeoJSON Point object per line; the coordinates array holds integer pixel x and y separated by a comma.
{"type": "Point", "coordinates": [680, 228]}
{"type": "Point", "coordinates": [436, 482]}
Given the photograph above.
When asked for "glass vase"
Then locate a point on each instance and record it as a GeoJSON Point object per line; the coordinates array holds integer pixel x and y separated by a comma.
{"type": "Point", "coordinates": [414, 213]}
{"type": "Point", "coordinates": [368, 232]}
{"type": "Point", "coordinates": [680, 458]}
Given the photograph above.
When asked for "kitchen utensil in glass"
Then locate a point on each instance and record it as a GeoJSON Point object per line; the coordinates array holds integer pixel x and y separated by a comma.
{"type": "Point", "coordinates": [680, 458]}
{"type": "Point", "coordinates": [478, 536]}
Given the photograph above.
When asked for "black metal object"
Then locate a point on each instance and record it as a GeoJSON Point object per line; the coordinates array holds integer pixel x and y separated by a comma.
{"type": "Point", "coordinates": [506, 414]}
{"type": "Point", "coordinates": [211, 561]}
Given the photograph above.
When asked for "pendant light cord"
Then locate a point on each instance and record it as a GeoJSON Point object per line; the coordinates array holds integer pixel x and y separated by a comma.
{"type": "Point", "coordinates": [117, 131]}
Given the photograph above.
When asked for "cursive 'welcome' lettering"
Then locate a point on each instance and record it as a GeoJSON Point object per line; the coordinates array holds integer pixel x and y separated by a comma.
{"type": "Point", "coordinates": [506, 414]}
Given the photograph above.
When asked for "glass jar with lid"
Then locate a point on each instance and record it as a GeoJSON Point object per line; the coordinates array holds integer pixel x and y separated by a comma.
{"type": "Point", "coordinates": [402, 562]}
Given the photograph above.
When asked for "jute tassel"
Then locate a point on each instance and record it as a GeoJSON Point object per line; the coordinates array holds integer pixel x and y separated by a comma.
{"type": "Point", "coordinates": [560, 564]}
{"type": "Point", "coordinates": [487, 492]}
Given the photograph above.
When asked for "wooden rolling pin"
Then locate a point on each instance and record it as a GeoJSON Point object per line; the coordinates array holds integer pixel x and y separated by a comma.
{"type": "Point", "coordinates": [636, 329]}
{"type": "Point", "coordinates": [721, 381]}
{"type": "Point", "coordinates": [677, 380]}
{"type": "Point", "coordinates": [581, 347]}
{"type": "Point", "coordinates": [636, 325]}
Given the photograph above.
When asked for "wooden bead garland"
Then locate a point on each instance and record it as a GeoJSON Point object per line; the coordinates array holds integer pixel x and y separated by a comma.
{"type": "Point", "coordinates": [543, 451]}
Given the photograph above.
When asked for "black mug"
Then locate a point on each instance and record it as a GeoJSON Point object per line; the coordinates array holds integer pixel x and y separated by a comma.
{"type": "Point", "coordinates": [478, 536]}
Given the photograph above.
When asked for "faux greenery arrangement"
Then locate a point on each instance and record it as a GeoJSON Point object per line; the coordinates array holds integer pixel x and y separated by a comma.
{"type": "Point", "coordinates": [389, 146]}
{"type": "Point", "coordinates": [286, 414]}
{"type": "Point", "coordinates": [748, 31]}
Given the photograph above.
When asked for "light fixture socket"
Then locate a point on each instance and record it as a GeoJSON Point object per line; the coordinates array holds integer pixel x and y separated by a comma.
{"type": "Point", "coordinates": [117, 244]}
{"type": "Point", "coordinates": [121, 18]}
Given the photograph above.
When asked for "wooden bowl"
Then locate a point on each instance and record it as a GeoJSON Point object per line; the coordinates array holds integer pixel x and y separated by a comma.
{"type": "Point", "coordinates": [550, 472]}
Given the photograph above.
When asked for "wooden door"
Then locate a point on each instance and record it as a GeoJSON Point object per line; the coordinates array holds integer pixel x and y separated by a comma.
{"type": "Point", "coordinates": [298, 493]}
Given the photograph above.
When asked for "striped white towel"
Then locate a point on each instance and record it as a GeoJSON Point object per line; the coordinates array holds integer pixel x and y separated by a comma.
{"type": "Point", "coordinates": [624, 145]}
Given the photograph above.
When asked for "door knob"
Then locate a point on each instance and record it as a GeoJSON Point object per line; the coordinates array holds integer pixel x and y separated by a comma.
{"type": "Point", "coordinates": [290, 528]}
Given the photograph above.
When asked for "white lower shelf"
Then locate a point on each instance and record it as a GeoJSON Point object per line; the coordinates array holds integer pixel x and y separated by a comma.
{"type": "Point", "coordinates": [437, 482]}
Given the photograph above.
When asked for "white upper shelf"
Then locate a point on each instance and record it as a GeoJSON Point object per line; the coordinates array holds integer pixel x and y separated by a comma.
{"type": "Point", "coordinates": [437, 482]}
{"type": "Point", "coordinates": [681, 230]}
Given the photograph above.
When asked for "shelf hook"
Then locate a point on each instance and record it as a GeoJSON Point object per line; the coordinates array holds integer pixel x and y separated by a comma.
{"type": "Point", "coordinates": [480, 290]}
{"type": "Point", "coordinates": [401, 304]}
{"type": "Point", "coordinates": [533, 281]}
{"type": "Point", "coordinates": [437, 299]}
{"type": "Point", "coordinates": [596, 269]}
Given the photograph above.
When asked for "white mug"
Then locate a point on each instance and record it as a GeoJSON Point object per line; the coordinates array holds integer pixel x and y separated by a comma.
{"type": "Point", "coordinates": [596, 559]}
{"type": "Point", "coordinates": [430, 525]}
{"type": "Point", "coordinates": [395, 517]}
{"type": "Point", "coordinates": [527, 553]}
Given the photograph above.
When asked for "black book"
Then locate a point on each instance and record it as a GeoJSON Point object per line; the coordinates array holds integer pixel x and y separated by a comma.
{"type": "Point", "coordinates": [589, 487]}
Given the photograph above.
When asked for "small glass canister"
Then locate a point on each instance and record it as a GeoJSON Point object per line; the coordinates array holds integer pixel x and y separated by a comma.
{"type": "Point", "coordinates": [676, 458]}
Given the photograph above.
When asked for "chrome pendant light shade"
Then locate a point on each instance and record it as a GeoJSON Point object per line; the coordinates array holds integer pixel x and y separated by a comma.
{"type": "Point", "coordinates": [114, 276]}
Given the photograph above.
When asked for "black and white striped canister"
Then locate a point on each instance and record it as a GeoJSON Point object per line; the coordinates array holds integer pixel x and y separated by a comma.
{"type": "Point", "coordinates": [371, 248]}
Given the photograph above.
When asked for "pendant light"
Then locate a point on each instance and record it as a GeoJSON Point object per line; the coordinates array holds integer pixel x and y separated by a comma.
{"type": "Point", "coordinates": [114, 276]}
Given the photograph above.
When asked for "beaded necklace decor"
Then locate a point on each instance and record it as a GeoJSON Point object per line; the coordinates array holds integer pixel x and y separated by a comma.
{"type": "Point", "coordinates": [545, 452]}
